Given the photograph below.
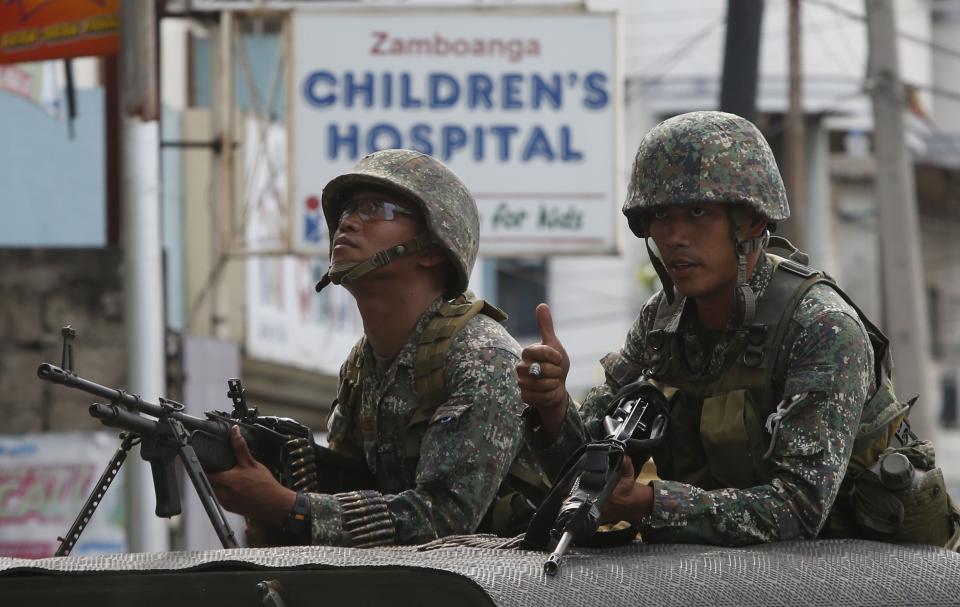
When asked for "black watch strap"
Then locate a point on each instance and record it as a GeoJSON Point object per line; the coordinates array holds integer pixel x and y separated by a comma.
{"type": "Point", "coordinates": [297, 523]}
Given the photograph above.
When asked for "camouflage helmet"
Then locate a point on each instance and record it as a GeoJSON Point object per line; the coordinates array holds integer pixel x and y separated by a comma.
{"type": "Point", "coordinates": [448, 208]}
{"type": "Point", "coordinates": [704, 157]}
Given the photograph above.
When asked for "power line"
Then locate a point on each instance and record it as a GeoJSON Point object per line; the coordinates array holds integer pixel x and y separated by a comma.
{"type": "Point", "coordinates": [934, 46]}
{"type": "Point", "coordinates": [681, 51]}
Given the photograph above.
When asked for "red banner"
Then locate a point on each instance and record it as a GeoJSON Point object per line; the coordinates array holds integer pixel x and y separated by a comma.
{"type": "Point", "coordinates": [38, 30]}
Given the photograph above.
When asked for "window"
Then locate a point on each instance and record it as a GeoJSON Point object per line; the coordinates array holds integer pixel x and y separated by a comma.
{"type": "Point", "coordinates": [521, 285]}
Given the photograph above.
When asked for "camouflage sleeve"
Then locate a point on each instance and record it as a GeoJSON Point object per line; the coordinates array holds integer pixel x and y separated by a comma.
{"type": "Point", "coordinates": [466, 451]}
{"type": "Point", "coordinates": [829, 375]}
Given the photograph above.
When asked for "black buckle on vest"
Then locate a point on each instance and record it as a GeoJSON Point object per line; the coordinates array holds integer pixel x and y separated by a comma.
{"type": "Point", "coordinates": [753, 352]}
{"type": "Point", "coordinates": [655, 340]}
{"type": "Point", "coordinates": [796, 268]}
{"type": "Point", "coordinates": [753, 356]}
{"type": "Point", "coordinates": [757, 334]}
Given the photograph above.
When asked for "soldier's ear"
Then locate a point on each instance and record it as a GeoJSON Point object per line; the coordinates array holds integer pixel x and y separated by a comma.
{"type": "Point", "coordinates": [431, 257]}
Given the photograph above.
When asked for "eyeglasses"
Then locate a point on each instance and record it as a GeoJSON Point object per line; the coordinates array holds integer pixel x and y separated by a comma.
{"type": "Point", "coordinates": [373, 209]}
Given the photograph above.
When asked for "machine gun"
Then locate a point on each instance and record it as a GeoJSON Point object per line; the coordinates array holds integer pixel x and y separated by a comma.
{"type": "Point", "coordinates": [165, 433]}
{"type": "Point", "coordinates": [570, 514]}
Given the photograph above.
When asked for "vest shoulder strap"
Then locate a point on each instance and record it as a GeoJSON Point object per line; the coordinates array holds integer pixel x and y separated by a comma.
{"type": "Point", "coordinates": [355, 362]}
{"type": "Point", "coordinates": [788, 285]}
{"type": "Point", "coordinates": [435, 342]}
{"type": "Point", "coordinates": [348, 392]}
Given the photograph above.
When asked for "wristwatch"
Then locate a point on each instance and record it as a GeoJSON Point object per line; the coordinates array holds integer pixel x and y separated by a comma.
{"type": "Point", "coordinates": [297, 524]}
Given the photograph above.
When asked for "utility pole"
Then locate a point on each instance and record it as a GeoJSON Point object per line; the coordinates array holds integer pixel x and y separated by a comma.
{"type": "Point", "coordinates": [795, 146]}
{"type": "Point", "coordinates": [741, 58]}
{"type": "Point", "coordinates": [143, 281]}
{"type": "Point", "coordinates": [904, 292]}
{"type": "Point", "coordinates": [222, 210]}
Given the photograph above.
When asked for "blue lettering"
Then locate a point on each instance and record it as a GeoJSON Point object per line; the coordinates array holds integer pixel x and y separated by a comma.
{"type": "Point", "coordinates": [480, 91]}
{"type": "Point", "coordinates": [551, 91]}
{"type": "Point", "coordinates": [454, 138]}
{"type": "Point", "coordinates": [478, 140]}
{"type": "Point", "coordinates": [352, 88]}
{"type": "Point", "coordinates": [387, 130]}
{"type": "Point", "coordinates": [567, 153]}
{"type": "Point", "coordinates": [387, 90]}
{"type": "Point", "coordinates": [439, 82]}
{"type": "Point", "coordinates": [310, 93]}
{"type": "Point", "coordinates": [511, 91]}
{"type": "Point", "coordinates": [350, 139]}
{"type": "Point", "coordinates": [503, 133]}
{"type": "Point", "coordinates": [537, 145]}
{"type": "Point", "coordinates": [420, 138]}
{"type": "Point", "coordinates": [407, 100]}
{"type": "Point", "coordinates": [597, 96]}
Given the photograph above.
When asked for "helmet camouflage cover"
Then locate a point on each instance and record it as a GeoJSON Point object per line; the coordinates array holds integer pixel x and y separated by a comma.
{"type": "Point", "coordinates": [704, 157]}
{"type": "Point", "coordinates": [448, 208]}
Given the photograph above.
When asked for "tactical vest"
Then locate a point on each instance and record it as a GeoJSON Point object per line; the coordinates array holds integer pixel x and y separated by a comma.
{"type": "Point", "coordinates": [724, 424]}
{"type": "Point", "coordinates": [525, 485]}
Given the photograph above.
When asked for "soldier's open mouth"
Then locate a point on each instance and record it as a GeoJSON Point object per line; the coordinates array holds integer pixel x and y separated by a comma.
{"type": "Point", "coordinates": [682, 268]}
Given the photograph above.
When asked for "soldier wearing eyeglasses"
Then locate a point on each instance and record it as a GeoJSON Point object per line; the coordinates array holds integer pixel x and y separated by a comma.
{"type": "Point", "coordinates": [428, 405]}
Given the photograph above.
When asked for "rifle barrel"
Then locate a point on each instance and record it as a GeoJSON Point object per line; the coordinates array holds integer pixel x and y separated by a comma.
{"type": "Point", "coordinates": [131, 402]}
{"type": "Point", "coordinates": [55, 374]}
{"type": "Point", "coordinates": [552, 566]}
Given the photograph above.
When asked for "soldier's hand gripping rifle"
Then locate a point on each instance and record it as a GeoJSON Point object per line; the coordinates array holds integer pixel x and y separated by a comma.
{"type": "Point", "coordinates": [165, 432]}
{"type": "Point", "coordinates": [571, 512]}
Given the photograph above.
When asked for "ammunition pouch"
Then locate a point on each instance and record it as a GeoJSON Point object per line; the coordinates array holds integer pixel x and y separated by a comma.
{"type": "Point", "coordinates": [902, 499]}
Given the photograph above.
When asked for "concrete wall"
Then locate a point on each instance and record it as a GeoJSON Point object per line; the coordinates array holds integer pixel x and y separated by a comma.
{"type": "Point", "coordinates": [43, 290]}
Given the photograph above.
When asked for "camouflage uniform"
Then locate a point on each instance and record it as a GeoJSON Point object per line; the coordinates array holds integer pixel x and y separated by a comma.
{"type": "Point", "coordinates": [466, 448]}
{"type": "Point", "coordinates": [462, 454]}
{"type": "Point", "coordinates": [712, 157]}
{"type": "Point", "coordinates": [829, 378]}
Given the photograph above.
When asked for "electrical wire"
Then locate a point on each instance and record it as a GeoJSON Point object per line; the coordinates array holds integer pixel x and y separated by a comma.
{"type": "Point", "coordinates": [673, 57]}
{"type": "Point", "coordinates": [934, 46]}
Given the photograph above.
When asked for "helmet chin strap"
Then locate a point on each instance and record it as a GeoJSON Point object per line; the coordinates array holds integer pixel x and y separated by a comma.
{"type": "Point", "coordinates": [346, 272]}
{"type": "Point", "coordinates": [745, 300]}
{"type": "Point", "coordinates": [658, 267]}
